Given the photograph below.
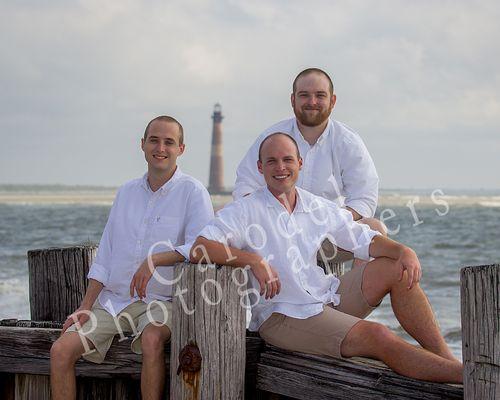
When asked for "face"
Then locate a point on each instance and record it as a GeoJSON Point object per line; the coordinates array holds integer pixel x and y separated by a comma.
{"type": "Point", "coordinates": [161, 147]}
{"type": "Point", "coordinates": [312, 102]}
{"type": "Point", "coordinates": [279, 165]}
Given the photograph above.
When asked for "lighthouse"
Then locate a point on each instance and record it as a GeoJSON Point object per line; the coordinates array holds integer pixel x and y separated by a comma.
{"type": "Point", "coordinates": [216, 181]}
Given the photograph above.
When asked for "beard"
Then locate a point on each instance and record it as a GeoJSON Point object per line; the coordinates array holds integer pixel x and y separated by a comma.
{"type": "Point", "coordinates": [312, 119]}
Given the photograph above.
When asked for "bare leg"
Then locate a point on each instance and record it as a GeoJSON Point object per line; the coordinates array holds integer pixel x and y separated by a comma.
{"type": "Point", "coordinates": [153, 340]}
{"type": "Point", "coordinates": [411, 307]}
{"type": "Point", "coordinates": [64, 353]}
{"type": "Point", "coordinates": [370, 339]}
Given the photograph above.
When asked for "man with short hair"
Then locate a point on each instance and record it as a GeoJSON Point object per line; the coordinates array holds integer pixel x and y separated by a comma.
{"type": "Point", "coordinates": [277, 230]}
{"type": "Point", "coordinates": [336, 163]}
{"type": "Point", "coordinates": [164, 209]}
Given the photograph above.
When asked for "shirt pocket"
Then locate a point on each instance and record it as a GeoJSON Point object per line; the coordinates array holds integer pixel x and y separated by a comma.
{"type": "Point", "coordinates": [165, 228]}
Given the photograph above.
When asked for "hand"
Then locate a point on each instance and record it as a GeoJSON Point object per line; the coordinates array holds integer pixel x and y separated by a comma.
{"type": "Point", "coordinates": [408, 261]}
{"type": "Point", "coordinates": [79, 316]}
{"type": "Point", "coordinates": [141, 278]}
{"type": "Point", "coordinates": [267, 277]}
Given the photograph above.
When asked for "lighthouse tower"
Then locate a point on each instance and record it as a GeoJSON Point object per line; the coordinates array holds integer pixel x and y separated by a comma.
{"type": "Point", "coordinates": [216, 181]}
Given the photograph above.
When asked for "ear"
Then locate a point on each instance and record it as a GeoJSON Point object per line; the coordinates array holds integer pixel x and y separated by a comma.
{"type": "Point", "coordinates": [259, 166]}
{"type": "Point", "coordinates": [292, 100]}
{"type": "Point", "coordinates": [333, 101]}
{"type": "Point", "coordinates": [142, 144]}
{"type": "Point", "coordinates": [182, 147]}
{"type": "Point", "coordinates": [300, 163]}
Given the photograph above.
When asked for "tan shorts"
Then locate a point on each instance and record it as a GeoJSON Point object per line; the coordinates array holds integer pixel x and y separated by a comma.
{"type": "Point", "coordinates": [131, 320]}
{"type": "Point", "coordinates": [323, 333]}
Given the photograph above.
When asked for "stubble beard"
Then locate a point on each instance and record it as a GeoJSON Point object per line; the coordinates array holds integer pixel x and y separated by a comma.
{"type": "Point", "coordinates": [312, 121]}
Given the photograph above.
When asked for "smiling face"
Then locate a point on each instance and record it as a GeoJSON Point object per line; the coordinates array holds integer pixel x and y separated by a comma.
{"type": "Point", "coordinates": [312, 100]}
{"type": "Point", "coordinates": [279, 163]}
{"type": "Point", "coordinates": [161, 146]}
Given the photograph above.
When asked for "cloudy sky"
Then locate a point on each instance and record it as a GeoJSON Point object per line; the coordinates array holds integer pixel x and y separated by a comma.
{"type": "Point", "coordinates": [79, 80]}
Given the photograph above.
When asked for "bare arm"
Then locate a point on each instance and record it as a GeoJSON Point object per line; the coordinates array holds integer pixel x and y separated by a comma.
{"type": "Point", "coordinates": [145, 271]}
{"type": "Point", "coordinates": [81, 314]}
{"type": "Point", "coordinates": [210, 251]}
{"type": "Point", "coordinates": [407, 259]}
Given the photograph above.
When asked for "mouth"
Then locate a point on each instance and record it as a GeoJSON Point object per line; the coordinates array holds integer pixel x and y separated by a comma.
{"type": "Point", "coordinates": [158, 157]}
{"type": "Point", "coordinates": [281, 177]}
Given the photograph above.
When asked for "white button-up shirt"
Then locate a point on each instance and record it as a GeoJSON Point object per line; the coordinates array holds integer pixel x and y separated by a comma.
{"type": "Point", "coordinates": [140, 218]}
{"type": "Point", "coordinates": [337, 167]}
{"type": "Point", "coordinates": [260, 224]}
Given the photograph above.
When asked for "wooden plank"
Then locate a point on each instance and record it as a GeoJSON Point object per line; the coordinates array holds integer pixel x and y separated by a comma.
{"type": "Point", "coordinates": [480, 308]}
{"type": "Point", "coordinates": [27, 350]}
{"type": "Point", "coordinates": [211, 319]}
{"type": "Point", "coordinates": [316, 377]}
{"type": "Point", "coordinates": [32, 387]}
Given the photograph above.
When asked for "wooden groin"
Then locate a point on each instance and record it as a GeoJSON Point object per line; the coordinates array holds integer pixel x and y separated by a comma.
{"type": "Point", "coordinates": [234, 364]}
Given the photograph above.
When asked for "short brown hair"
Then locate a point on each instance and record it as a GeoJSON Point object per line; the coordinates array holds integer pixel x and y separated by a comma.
{"type": "Point", "coordinates": [311, 71]}
{"type": "Point", "coordinates": [275, 134]}
{"type": "Point", "coordinates": [166, 118]}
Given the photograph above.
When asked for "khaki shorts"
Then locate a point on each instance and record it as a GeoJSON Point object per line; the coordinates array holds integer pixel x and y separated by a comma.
{"type": "Point", "coordinates": [323, 333]}
{"type": "Point", "coordinates": [131, 320]}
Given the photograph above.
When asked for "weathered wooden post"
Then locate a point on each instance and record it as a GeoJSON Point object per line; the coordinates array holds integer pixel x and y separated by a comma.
{"type": "Point", "coordinates": [58, 280]}
{"type": "Point", "coordinates": [57, 283]}
{"type": "Point", "coordinates": [480, 304]}
{"type": "Point", "coordinates": [208, 342]}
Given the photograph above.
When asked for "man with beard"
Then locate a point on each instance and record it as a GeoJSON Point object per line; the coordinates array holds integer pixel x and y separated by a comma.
{"type": "Point", "coordinates": [336, 163]}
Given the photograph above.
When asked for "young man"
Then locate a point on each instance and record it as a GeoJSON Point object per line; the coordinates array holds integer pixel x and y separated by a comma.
{"type": "Point", "coordinates": [336, 163]}
{"type": "Point", "coordinates": [163, 209]}
{"type": "Point", "coordinates": [277, 231]}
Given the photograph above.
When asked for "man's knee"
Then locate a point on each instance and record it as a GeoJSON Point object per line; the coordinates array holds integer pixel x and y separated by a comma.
{"type": "Point", "coordinates": [64, 352]}
{"type": "Point", "coordinates": [375, 224]}
{"type": "Point", "coordinates": [153, 340]}
{"type": "Point", "coordinates": [367, 338]}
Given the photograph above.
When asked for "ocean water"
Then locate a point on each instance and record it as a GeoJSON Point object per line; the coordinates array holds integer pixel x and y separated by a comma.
{"type": "Point", "coordinates": [448, 232]}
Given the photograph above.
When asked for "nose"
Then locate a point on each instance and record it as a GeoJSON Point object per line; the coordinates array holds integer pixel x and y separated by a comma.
{"type": "Point", "coordinates": [313, 100]}
{"type": "Point", "coordinates": [280, 165]}
{"type": "Point", "coordinates": [161, 147]}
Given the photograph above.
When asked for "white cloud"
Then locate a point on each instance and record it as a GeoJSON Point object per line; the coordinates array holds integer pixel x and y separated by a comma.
{"type": "Point", "coordinates": [98, 70]}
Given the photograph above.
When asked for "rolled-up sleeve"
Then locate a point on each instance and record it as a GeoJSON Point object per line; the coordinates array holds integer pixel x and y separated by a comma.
{"type": "Point", "coordinates": [100, 270]}
{"type": "Point", "coordinates": [359, 177]}
{"type": "Point", "coordinates": [228, 226]}
{"type": "Point", "coordinates": [350, 235]}
{"type": "Point", "coordinates": [200, 213]}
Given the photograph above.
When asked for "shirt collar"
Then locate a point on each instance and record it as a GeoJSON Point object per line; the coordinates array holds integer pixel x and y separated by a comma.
{"type": "Point", "coordinates": [166, 186]}
{"type": "Point", "coordinates": [300, 206]}
{"type": "Point", "coordinates": [297, 134]}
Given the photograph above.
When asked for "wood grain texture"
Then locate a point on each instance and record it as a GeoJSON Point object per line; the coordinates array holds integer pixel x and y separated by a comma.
{"type": "Point", "coordinates": [305, 376]}
{"type": "Point", "coordinates": [213, 320]}
{"type": "Point", "coordinates": [58, 280]}
{"type": "Point", "coordinates": [480, 308]}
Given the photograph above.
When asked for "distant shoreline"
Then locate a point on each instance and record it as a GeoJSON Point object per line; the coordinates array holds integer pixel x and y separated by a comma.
{"type": "Point", "coordinates": [90, 195]}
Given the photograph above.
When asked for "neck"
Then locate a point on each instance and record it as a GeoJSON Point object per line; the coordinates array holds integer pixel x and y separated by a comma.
{"type": "Point", "coordinates": [312, 133]}
{"type": "Point", "coordinates": [157, 179]}
{"type": "Point", "coordinates": [288, 199]}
